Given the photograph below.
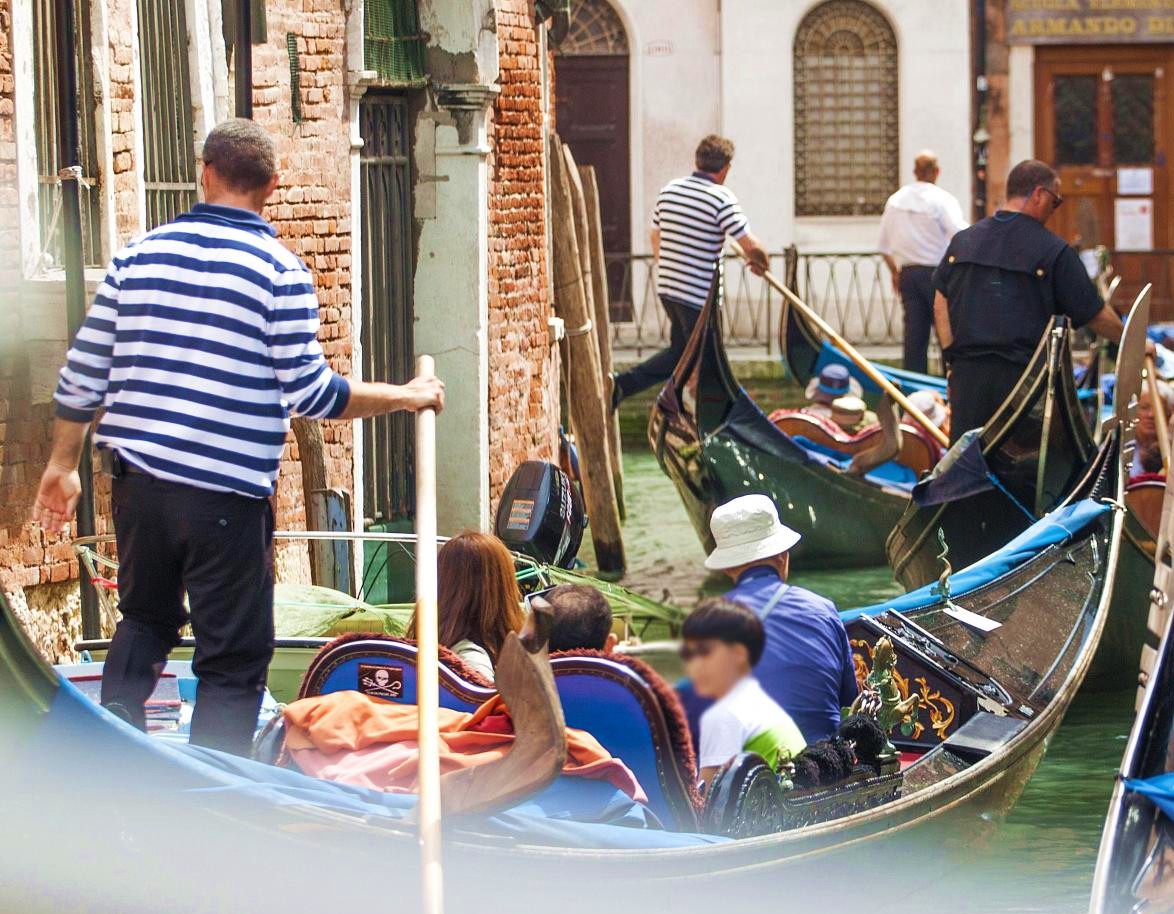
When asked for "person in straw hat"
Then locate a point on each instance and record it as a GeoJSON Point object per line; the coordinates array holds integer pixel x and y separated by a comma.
{"type": "Point", "coordinates": [806, 665]}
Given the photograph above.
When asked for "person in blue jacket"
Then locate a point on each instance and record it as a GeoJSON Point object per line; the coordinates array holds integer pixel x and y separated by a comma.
{"type": "Point", "coordinates": [807, 664]}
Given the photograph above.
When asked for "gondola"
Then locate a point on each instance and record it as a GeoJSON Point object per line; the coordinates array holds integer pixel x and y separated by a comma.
{"type": "Point", "coordinates": [996, 662]}
{"type": "Point", "coordinates": [1135, 865]}
{"type": "Point", "coordinates": [1024, 462]}
{"type": "Point", "coordinates": [714, 442]}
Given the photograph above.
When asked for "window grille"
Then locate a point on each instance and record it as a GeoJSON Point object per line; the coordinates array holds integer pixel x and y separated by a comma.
{"type": "Point", "coordinates": [392, 43]}
{"type": "Point", "coordinates": [846, 130]}
{"type": "Point", "coordinates": [387, 307]}
{"type": "Point", "coordinates": [169, 158]}
{"type": "Point", "coordinates": [1133, 119]}
{"type": "Point", "coordinates": [48, 157]}
{"type": "Point", "coordinates": [1076, 119]}
{"type": "Point", "coordinates": [596, 29]}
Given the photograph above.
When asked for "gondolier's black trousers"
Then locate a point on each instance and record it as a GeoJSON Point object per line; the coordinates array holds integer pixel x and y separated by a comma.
{"type": "Point", "coordinates": [659, 368]}
{"type": "Point", "coordinates": [917, 295]}
{"type": "Point", "coordinates": [218, 548]}
{"type": "Point", "coordinates": [978, 387]}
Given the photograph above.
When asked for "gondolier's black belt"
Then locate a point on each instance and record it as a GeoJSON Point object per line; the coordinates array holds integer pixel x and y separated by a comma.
{"type": "Point", "coordinates": [116, 466]}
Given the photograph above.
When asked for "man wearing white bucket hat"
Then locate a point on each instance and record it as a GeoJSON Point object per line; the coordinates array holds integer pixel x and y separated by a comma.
{"type": "Point", "coordinates": [807, 664]}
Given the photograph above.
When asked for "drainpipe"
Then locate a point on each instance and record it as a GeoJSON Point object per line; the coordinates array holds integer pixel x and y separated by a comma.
{"type": "Point", "coordinates": [244, 58]}
{"type": "Point", "coordinates": [70, 172]}
{"type": "Point", "coordinates": [981, 135]}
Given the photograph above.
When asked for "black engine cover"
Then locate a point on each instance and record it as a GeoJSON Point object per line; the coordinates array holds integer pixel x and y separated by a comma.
{"type": "Point", "coordinates": [541, 514]}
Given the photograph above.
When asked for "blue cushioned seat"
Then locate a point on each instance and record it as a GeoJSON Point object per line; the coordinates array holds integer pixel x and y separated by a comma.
{"type": "Point", "coordinates": [618, 700]}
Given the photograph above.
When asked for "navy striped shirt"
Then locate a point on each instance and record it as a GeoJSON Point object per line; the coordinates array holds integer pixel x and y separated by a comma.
{"type": "Point", "coordinates": [200, 343]}
{"type": "Point", "coordinates": [694, 215]}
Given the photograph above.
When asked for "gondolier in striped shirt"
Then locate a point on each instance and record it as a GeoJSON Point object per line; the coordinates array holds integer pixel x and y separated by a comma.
{"type": "Point", "coordinates": [200, 343]}
{"type": "Point", "coordinates": [690, 223]}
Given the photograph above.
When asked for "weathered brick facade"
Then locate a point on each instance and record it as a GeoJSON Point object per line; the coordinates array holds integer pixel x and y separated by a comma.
{"type": "Point", "coordinates": [523, 380]}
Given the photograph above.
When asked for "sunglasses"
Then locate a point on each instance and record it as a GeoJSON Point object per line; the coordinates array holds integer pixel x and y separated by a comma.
{"type": "Point", "coordinates": [1059, 201]}
{"type": "Point", "coordinates": [701, 649]}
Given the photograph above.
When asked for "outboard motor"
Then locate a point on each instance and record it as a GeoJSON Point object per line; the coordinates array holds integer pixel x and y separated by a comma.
{"type": "Point", "coordinates": [541, 514]}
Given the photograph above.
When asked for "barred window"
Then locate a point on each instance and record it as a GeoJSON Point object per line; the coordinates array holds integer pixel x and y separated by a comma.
{"type": "Point", "coordinates": [169, 156]}
{"type": "Point", "coordinates": [392, 43]}
{"type": "Point", "coordinates": [595, 29]}
{"type": "Point", "coordinates": [846, 131]}
{"type": "Point", "coordinates": [45, 92]}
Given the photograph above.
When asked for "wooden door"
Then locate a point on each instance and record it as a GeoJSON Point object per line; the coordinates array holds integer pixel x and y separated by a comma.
{"type": "Point", "coordinates": [593, 119]}
{"type": "Point", "coordinates": [1103, 120]}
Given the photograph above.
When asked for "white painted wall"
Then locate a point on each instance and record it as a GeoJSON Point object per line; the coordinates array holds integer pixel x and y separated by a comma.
{"type": "Point", "coordinates": [731, 70]}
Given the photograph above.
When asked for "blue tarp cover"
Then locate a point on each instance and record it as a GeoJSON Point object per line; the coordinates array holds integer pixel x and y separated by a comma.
{"type": "Point", "coordinates": [119, 757]}
{"type": "Point", "coordinates": [890, 473]}
{"type": "Point", "coordinates": [1061, 525]}
{"type": "Point", "coordinates": [906, 381]}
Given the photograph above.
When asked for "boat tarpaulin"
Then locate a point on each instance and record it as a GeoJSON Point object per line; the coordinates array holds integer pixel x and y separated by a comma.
{"type": "Point", "coordinates": [1159, 788]}
{"type": "Point", "coordinates": [1061, 525]}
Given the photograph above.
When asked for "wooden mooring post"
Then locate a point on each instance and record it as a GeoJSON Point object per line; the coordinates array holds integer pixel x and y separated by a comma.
{"type": "Point", "coordinates": [585, 381]}
{"type": "Point", "coordinates": [601, 299]}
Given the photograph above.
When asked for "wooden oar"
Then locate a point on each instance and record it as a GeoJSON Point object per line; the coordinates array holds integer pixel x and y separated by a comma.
{"type": "Point", "coordinates": [857, 359]}
{"type": "Point", "coordinates": [427, 657]}
{"type": "Point", "coordinates": [1158, 405]}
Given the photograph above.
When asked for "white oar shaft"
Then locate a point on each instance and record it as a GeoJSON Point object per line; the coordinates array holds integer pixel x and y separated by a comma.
{"type": "Point", "coordinates": [1158, 405]}
{"type": "Point", "coordinates": [857, 359]}
{"type": "Point", "coordinates": [427, 656]}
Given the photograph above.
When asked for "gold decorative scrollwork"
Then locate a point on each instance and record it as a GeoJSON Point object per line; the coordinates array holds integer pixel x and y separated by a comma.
{"type": "Point", "coordinates": [941, 710]}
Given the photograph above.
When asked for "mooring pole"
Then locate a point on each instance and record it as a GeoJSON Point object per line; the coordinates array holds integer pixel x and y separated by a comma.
{"type": "Point", "coordinates": [70, 172]}
{"type": "Point", "coordinates": [244, 58]}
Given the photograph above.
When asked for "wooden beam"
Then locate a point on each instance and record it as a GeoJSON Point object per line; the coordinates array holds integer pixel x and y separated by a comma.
{"type": "Point", "coordinates": [584, 386]}
{"type": "Point", "coordinates": [601, 299]}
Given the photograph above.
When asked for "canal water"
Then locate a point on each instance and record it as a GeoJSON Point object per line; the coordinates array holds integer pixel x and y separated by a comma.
{"type": "Point", "coordinates": [1040, 857]}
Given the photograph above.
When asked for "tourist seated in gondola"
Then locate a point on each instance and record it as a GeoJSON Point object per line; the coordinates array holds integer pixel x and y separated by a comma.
{"type": "Point", "coordinates": [582, 619]}
{"type": "Point", "coordinates": [1147, 456]}
{"type": "Point", "coordinates": [932, 406]}
{"type": "Point", "coordinates": [478, 600]}
{"type": "Point", "coordinates": [852, 414]}
{"type": "Point", "coordinates": [721, 643]}
{"type": "Point", "coordinates": [833, 382]}
{"type": "Point", "coordinates": [806, 665]}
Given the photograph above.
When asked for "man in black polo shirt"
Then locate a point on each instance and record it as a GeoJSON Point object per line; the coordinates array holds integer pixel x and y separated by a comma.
{"type": "Point", "coordinates": [998, 287]}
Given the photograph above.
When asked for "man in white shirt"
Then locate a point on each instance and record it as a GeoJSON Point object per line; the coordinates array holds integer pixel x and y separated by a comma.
{"type": "Point", "coordinates": [919, 221]}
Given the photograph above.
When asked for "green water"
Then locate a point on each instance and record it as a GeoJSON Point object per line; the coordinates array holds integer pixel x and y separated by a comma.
{"type": "Point", "coordinates": [1040, 857]}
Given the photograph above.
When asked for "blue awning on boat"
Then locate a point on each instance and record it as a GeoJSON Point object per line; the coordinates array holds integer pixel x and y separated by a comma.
{"type": "Point", "coordinates": [1159, 788]}
{"type": "Point", "coordinates": [1061, 525]}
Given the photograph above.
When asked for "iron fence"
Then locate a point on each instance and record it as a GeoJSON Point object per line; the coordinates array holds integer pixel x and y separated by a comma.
{"type": "Point", "coordinates": [851, 291]}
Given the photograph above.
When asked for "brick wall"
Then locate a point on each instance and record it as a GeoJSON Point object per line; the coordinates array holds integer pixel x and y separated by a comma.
{"type": "Point", "coordinates": [523, 367]}
{"type": "Point", "coordinates": [998, 106]}
{"type": "Point", "coordinates": [311, 211]}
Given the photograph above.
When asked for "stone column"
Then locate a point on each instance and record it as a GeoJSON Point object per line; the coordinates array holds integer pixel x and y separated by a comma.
{"type": "Point", "coordinates": [452, 293]}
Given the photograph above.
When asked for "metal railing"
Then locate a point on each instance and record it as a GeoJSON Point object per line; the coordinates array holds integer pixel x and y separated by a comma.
{"type": "Point", "coordinates": [852, 291]}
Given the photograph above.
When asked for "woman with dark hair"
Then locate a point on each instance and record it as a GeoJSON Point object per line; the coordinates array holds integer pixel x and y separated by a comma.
{"type": "Point", "coordinates": [479, 602]}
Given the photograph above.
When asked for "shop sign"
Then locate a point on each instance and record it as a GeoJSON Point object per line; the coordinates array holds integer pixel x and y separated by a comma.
{"type": "Point", "coordinates": [1089, 21]}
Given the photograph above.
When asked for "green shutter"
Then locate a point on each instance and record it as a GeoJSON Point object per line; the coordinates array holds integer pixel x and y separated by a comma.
{"type": "Point", "coordinates": [392, 43]}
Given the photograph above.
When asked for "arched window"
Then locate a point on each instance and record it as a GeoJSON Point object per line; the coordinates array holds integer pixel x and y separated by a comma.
{"type": "Point", "coordinates": [595, 30]}
{"type": "Point", "coordinates": [846, 132]}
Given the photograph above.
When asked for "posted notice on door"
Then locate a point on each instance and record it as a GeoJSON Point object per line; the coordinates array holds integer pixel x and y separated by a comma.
{"type": "Point", "coordinates": [1134, 224]}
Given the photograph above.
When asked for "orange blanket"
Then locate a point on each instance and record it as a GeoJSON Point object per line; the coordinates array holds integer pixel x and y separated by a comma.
{"type": "Point", "coordinates": [365, 741]}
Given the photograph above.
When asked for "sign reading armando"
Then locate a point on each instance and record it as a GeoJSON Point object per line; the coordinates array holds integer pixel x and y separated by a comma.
{"type": "Point", "coordinates": [1089, 21]}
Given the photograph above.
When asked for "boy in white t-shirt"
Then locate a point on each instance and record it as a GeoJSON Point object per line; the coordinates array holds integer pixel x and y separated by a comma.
{"type": "Point", "coordinates": [722, 641]}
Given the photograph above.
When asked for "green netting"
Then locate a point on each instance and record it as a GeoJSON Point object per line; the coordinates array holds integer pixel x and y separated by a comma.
{"type": "Point", "coordinates": [392, 43]}
{"type": "Point", "coordinates": [306, 611]}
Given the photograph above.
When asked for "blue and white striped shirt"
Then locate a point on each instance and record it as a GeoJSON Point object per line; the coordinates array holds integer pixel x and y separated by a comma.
{"type": "Point", "coordinates": [200, 343]}
{"type": "Point", "coordinates": [694, 215]}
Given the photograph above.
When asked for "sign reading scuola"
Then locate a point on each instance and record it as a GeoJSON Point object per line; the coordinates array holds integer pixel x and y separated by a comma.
{"type": "Point", "coordinates": [1089, 21]}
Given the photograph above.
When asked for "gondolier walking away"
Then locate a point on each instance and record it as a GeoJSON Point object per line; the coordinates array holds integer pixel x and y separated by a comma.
{"type": "Point", "coordinates": [918, 223]}
{"type": "Point", "coordinates": [690, 223]}
{"type": "Point", "coordinates": [200, 343]}
{"type": "Point", "coordinates": [997, 289]}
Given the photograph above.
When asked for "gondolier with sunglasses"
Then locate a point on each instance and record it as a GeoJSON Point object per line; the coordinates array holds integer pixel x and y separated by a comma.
{"type": "Point", "coordinates": [998, 288]}
{"type": "Point", "coordinates": [201, 342]}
